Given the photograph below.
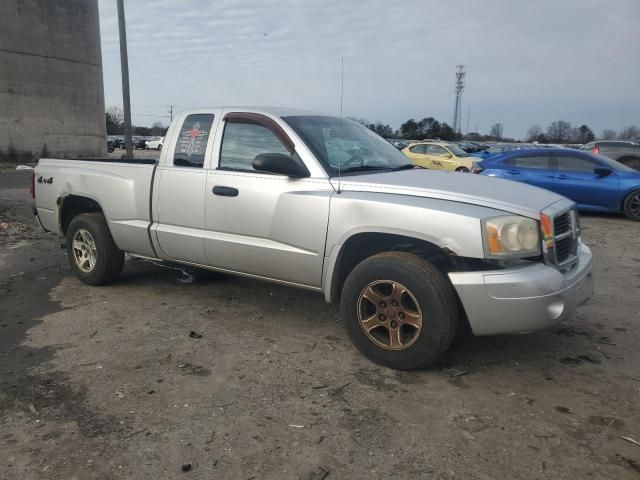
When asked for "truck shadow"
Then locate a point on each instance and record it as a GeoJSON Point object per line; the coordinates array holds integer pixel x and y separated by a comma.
{"type": "Point", "coordinates": [571, 343]}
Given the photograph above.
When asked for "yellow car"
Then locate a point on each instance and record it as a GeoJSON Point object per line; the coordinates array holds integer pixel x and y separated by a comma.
{"type": "Point", "coordinates": [439, 156]}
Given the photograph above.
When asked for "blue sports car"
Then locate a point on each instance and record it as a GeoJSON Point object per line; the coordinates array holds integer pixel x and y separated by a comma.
{"type": "Point", "coordinates": [594, 182]}
{"type": "Point", "coordinates": [497, 150]}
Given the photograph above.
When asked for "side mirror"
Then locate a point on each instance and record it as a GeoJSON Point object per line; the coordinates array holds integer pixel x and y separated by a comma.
{"type": "Point", "coordinates": [447, 155]}
{"type": "Point", "coordinates": [281, 164]}
{"type": "Point", "coordinates": [602, 171]}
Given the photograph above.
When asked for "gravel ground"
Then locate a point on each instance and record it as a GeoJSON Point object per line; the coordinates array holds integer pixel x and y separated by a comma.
{"type": "Point", "coordinates": [110, 382]}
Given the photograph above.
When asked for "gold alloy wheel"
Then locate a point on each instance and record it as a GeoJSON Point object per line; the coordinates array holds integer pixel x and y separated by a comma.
{"type": "Point", "coordinates": [389, 315]}
{"type": "Point", "coordinates": [84, 250]}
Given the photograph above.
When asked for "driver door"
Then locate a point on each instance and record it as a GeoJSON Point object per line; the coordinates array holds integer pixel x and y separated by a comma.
{"type": "Point", "coordinates": [439, 157]}
{"type": "Point", "coordinates": [575, 178]}
{"type": "Point", "coordinates": [258, 223]}
{"type": "Point", "coordinates": [418, 155]}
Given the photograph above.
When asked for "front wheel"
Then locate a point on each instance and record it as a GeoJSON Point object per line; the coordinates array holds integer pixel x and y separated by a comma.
{"type": "Point", "coordinates": [462, 169]}
{"type": "Point", "coordinates": [399, 310]}
{"type": "Point", "coordinates": [632, 205]}
{"type": "Point", "coordinates": [93, 255]}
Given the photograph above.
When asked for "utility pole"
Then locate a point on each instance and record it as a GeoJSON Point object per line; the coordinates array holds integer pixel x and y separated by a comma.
{"type": "Point", "coordinates": [171, 112]}
{"type": "Point", "coordinates": [468, 116]}
{"type": "Point", "coordinates": [124, 65]}
{"type": "Point", "coordinates": [459, 88]}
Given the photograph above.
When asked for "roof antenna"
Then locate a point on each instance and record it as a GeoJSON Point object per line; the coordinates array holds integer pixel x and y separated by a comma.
{"type": "Point", "coordinates": [341, 97]}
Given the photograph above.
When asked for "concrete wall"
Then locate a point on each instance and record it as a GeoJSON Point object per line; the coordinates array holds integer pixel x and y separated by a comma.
{"type": "Point", "coordinates": [51, 86]}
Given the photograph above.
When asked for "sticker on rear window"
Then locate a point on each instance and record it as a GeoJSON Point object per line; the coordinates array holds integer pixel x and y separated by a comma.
{"type": "Point", "coordinates": [192, 141]}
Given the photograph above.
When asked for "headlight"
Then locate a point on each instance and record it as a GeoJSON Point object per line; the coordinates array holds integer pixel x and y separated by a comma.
{"type": "Point", "coordinates": [511, 236]}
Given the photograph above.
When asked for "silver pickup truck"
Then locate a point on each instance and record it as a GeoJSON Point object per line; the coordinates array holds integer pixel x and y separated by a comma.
{"type": "Point", "coordinates": [322, 203]}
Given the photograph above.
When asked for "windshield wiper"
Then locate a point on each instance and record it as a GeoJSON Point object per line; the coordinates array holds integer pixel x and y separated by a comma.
{"type": "Point", "coordinates": [365, 168]}
{"type": "Point", "coordinates": [407, 166]}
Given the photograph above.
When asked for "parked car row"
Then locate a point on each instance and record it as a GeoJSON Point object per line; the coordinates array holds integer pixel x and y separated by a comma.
{"type": "Point", "coordinates": [627, 153]}
{"type": "Point", "coordinates": [594, 182]}
{"type": "Point", "coordinates": [138, 143]}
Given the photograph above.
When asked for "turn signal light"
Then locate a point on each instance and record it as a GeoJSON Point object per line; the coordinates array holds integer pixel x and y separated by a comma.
{"type": "Point", "coordinates": [547, 230]}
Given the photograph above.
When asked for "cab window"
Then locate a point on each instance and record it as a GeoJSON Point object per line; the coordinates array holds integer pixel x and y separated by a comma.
{"type": "Point", "coordinates": [242, 142]}
{"type": "Point", "coordinates": [192, 141]}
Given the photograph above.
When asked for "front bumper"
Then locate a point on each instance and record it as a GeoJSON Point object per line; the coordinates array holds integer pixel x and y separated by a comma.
{"type": "Point", "coordinates": [524, 298]}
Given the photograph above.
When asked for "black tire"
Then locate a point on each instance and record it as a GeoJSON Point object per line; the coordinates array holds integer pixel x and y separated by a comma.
{"type": "Point", "coordinates": [159, 146]}
{"type": "Point", "coordinates": [109, 260]}
{"type": "Point", "coordinates": [462, 169]}
{"type": "Point", "coordinates": [632, 205]}
{"type": "Point", "coordinates": [432, 293]}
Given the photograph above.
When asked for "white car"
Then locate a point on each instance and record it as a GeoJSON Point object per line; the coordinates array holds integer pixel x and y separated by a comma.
{"type": "Point", "coordinates": [155, 144]}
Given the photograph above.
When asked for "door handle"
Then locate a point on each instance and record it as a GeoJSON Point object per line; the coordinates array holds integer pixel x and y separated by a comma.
{"type": "Point", "coordinates": [513, 172]}
{"type": "Point", "coordinates": [225, 191]}
{"type": "Point", "coordinates": [562, 177]}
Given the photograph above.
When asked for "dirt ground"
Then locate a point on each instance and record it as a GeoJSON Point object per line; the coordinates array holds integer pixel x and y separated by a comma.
{"type": "Point", "coordinates": [108, 383]}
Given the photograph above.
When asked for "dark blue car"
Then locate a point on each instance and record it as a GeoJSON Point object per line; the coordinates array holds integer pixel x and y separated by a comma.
{"type": "Point", "coordinates": [594, 182]}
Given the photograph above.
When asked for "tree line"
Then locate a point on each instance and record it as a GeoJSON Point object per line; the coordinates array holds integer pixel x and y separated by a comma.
{"type": "Point", "coordinates": [114, 119]}
{"type": "Point", "coordinates": [559, 131]}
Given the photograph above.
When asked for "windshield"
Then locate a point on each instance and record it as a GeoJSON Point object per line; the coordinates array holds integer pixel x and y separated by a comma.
{"type": "Point", "coordinates": [457, 151]}
{"type": "Point", "coordinates": [346, 145]}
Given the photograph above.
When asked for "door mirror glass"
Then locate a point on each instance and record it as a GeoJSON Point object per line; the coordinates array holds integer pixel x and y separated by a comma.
{"type": "Point", "coordinates": [602, 171]}
{"type": "Point", "coordinates": [280, 164]}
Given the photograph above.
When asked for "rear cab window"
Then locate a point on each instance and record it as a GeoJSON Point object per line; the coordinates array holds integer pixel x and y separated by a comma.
{"type": "Point", "coordinates": [192, 140]}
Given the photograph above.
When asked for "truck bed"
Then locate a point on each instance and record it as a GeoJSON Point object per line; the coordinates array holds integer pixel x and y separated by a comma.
{"type": "Point", "coordinates": [122, 188]}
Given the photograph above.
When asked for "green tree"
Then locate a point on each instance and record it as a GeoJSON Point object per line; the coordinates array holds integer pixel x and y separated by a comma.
{"type": "Point", "coordinates": [585, 134]}
{"type": "Point", "coordinates": [409, 129]}
{"type": "Point", "coordinates": [446, 132]}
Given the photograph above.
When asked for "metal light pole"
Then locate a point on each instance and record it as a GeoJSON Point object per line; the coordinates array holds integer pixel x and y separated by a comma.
{"type": "Point", "coordinates": [124, 65]}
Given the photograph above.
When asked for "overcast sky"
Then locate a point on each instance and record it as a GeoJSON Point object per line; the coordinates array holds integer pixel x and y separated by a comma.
{"type": "Point", "coordinates": [527, 62]}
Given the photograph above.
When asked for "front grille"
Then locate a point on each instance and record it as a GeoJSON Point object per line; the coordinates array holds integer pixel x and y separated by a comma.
{"type": "Point", "coordinates": [566, 237]}
{"type": "Point", "coordinates": [563, 249]}
{"type": "Point", "coordinates": [561, 223]}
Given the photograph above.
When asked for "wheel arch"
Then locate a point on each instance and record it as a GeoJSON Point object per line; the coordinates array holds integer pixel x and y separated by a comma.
{"type": "Point", "coordinates": [362, 245]}
{"type": "Point", "coordinates": [70, 206]}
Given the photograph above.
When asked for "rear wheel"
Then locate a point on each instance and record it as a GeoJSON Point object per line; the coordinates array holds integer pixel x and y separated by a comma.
{"type": "Point", "coordinates": [93, 255]}
{"type": "Point", "coordinates": [399, 310]}
{"type": "Point", "coordinates": [632, 205]}
{"type": "Point", "coordinates": [462, 169]}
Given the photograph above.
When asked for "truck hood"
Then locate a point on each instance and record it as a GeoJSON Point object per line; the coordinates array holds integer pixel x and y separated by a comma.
{"type": "Point", "coordinates": [509, 196]}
